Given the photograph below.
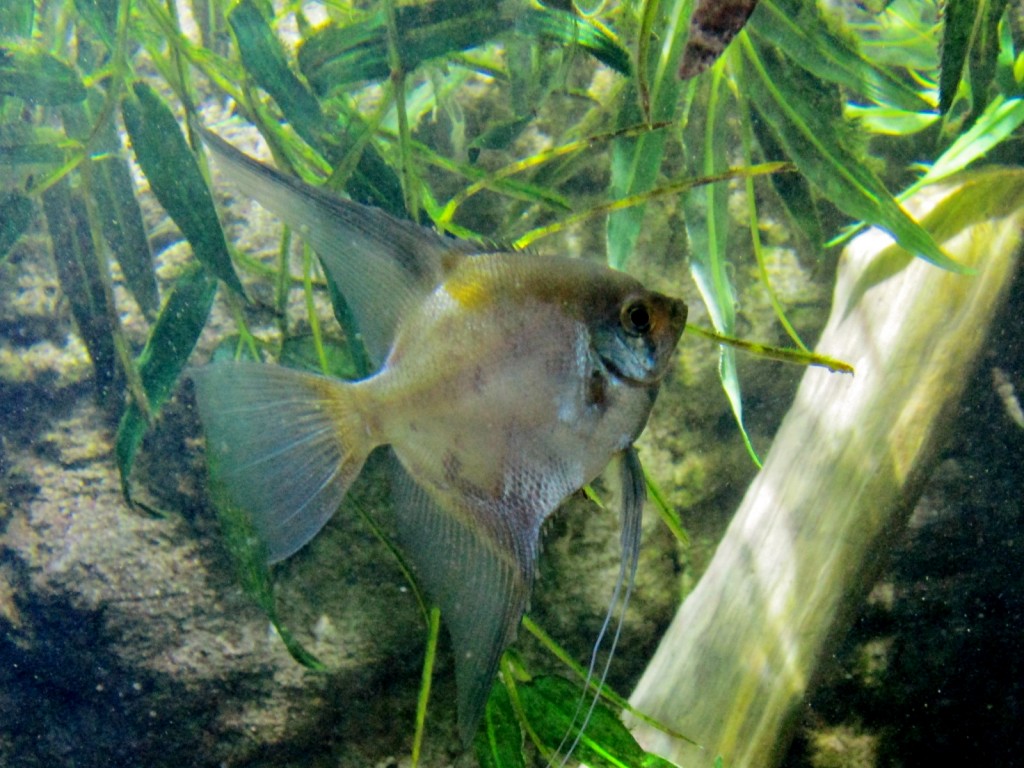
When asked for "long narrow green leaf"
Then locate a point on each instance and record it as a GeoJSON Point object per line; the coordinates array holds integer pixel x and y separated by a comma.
{"type": "Point", "coordinates": [81, 282]}
{"type": "Point", "coordinates": [101, 16]}
{"type": "Point", "coordinates": [125, 231]}
{"type": "Point", "coordinates": [265, 62]}
{"type": "Point", "coordinates": [249, 555]}
{"type": "Point", "coordinates": [167, 350]}
{"type": "Point", "coordinates": [997, 123]}
{"type": "Point", "coordinates": [957, 24]}
{"type": "Point", "coordinates": [802, 118]}
{"type": "Point", "coordinates": [707, 224]}
{"type": "Point", "coordinates": [16, 213]}
{"type": "Point", "coordinates": [793, 189]}
{"type": "Point", "coordinates": [636, 162]}
{"type": "Point", "coordinates": [552, 706]}
{"type": "Point", "coordinates": [570, 29]}
{"type": "Point", "coordinates": [499, 740]}
{"type": "Point", "coordinates": [38, 77]}
{"type": "Point", "coordinates": [110, 183]}
{"type": "Point", "coordinates": [16, 18]}
{"type": "Point", "coordinates": [970, 42]}
{"type": "Point", "coordinates": [798, 28]}
{"type": "Point", "coordinates": [337, 56]}
{"type": "Point", "coordinates": [372, 181]}
{"type": "Point", "coordinates": [177, 182]}
{"type": "Point", "coordinates": [35, 153]}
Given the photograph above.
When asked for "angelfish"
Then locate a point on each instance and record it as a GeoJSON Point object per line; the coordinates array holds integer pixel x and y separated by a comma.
{"type": "Point", "coordinates": [506, 381]}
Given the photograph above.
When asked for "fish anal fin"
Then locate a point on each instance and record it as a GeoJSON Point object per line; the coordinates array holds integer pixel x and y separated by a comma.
{"type": "Point", "coordinates": [482, 591]}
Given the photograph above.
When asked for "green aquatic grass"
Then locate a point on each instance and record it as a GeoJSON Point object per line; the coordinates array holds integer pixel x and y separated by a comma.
{"type": "Point", "coordinates": [374, 103]}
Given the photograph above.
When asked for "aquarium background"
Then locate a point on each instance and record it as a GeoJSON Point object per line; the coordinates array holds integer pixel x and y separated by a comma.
{"type": "Point", "coordinates": [137, 631]}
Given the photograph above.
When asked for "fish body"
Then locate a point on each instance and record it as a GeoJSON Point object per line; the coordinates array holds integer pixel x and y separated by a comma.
{"type": "Point", "coordinates": [507, 381]}
{"type": "Point", "coordinates": [503, 375]}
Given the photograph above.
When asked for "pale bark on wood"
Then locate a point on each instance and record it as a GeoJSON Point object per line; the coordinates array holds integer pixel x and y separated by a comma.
{"type": "Point", "coordinates": [843, 473]}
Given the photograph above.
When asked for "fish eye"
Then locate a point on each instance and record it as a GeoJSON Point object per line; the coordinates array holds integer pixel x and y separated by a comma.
{"type": "Point", "coordinates": [636, 317]}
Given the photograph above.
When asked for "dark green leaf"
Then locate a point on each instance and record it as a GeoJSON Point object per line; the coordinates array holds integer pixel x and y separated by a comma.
{"type": "Point", "coordinates": [265, 61]}
{"type": "Point", "coordinates": [35, 153]}
{"type": "Point", "coordinates": [970, 43]}
{"type": "Point", "coordinates": [636, 162]}
{"type": "Point", "coordinates": [798, 29]}
{"type": "Point", "coordinates": [957, 23]}
{"type": "Point", "coordinates": [552, 707]}
{"type": "Point", "coordinates": [125, 231]}
{"type": "Point", "coordinates": [300, 352]}
{"type": "Point", "coordinates": [16, 18]}
{"type": "Point", "coordinates": [571, 30]}
{"type": "Point", "coordinates": [101, 16]}
{"type": "Point", "coordinates": [167, 350]}
{"type": "Point", "coordinates": [38, 77]}
{"type": "Point", "coordinates": [249, 555]}
{"type": "Point", "coordinates": [499, 740]}
{"type": "Point", "coordinates": [985, 52]}
{"type": "Point", "coordinates": [78, 270]}
{"type": "Point", "coordinates": [177, 182]}
{"type": "Point", "coordinates": [500, 135]}
{"type": "Point", "coordinates": [803, 117]}
{"type": "Point", "coordinates": [338, 56]}
{"type": "Point", "coordinates": [793, 190]}
{"type": "Point", "coordinates": [110, 183]}
{"type": "Point", "coordinates": [16, 213]}
{"type": "Point", "coordinates": [373, 182]}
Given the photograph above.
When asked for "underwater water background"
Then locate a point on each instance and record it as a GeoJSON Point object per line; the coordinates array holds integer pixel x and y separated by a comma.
{"type": "Point", "coordinates": [128, 637]}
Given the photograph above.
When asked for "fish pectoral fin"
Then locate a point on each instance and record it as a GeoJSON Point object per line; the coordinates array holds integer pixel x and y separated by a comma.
{"type": "Point", "coordinates": [481, 591]}
{"type": "Point", "coordinates": [282, 445]}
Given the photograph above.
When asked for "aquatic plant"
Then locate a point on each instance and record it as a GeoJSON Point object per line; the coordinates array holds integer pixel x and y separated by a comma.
{"type": "Point", "coordinates": [377, 102]}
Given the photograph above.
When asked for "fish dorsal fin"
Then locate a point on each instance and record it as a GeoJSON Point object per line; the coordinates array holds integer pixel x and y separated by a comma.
{"type": "Point", "coordinates": [632, 490]}
{"type": "Point", "coordinates": [482, 592]}
{"type": "Point", "coordinates": [383, 266]}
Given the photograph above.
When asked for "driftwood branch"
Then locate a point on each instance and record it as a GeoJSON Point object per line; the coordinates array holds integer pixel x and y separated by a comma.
{"type": "Point", "coordinates": [843, 474]}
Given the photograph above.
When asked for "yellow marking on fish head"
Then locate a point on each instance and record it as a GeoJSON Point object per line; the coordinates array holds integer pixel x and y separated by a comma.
{"type": "Point", "coordinates": [471, 289]}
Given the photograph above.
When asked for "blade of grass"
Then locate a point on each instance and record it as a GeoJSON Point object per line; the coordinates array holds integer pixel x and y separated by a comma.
{"type": "Point", "coordinates": [800, 119]}
{"type": "Point", "coordinates": [170, 342]}
{"type": "Point", "coordinates": [176, 180]}
{"type": "Point", "coordinates": [799, 28]}
{"type": "Point", "coordinates": [669, 190]}
{"type": "Point", "coordinates": [16, 214]}
{"type": "Point", "coordinates": [769, 352]}
{"type": "Point", "coordinates": [707, 222]}
{"type": "Point", "coordinates": [636, 162]}
{"type": "Point", "coordinates": [433, 634]}
{"type": "Point", "coordinates": [499, 741]}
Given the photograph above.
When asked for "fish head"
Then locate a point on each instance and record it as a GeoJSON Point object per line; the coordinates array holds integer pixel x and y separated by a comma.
{"type": "Point", "coordinates": [635, 335]}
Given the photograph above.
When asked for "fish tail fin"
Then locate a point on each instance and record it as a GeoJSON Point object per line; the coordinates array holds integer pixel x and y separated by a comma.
{"type": "Point", "coordinates": [283, 445]}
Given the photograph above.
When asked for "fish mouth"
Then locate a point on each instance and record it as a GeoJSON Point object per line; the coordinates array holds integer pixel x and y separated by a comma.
{"type": "Point", "coordinates": [651, 379]}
